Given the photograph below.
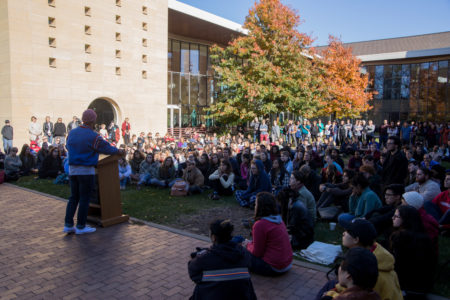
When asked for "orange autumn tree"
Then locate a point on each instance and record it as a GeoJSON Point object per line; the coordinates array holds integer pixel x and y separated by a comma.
{"type": "Point", "coordinates": [268, 70]}
{"type": "Point", "coordinates": [345, 93]}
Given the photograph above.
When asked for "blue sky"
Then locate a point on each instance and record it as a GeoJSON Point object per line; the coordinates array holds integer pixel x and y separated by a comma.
{"type": "Point", "coordinates": [351, 20]}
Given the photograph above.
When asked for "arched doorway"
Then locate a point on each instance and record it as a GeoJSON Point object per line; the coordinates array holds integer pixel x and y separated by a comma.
{"type": "Point", "coordinates": [105, 111]}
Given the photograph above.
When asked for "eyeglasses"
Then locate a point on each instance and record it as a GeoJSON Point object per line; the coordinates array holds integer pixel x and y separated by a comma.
{"type": "Point", "coordinates": [389, 195]}
{"type": "Point", "coordinates": [396, 217]}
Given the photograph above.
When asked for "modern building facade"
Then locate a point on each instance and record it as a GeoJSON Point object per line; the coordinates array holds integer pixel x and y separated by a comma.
{"type": "Point", "coordinates": [410, 76]}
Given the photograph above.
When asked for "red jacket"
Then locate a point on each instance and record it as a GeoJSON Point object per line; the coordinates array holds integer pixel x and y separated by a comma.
{"type": "Point", "coordinates": [443, 201]}
{"type": "Point", "coordinates": [431, 228]}
{"type": "Point", "coordinates": [271, 243]}
{"type": "Point", "coordinates": [125, 126]}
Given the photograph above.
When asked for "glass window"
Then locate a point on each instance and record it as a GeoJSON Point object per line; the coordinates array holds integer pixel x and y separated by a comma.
{"type": "Point", "coordinates": [379, 81]}
{"type": "Point", "coordinates": [203, 63]}
{"type": "Point", "coordinates": [175, 56]}
{"type": "Point", "coordinates": [433, 74]}
{"type": "Point", "coordinates": [387, 82]}
{"type": "Point", "coordinates": [184, 65]}
{"type": "Point", "coordinates": [405, 82]}
{"type": "Point", "coordinates": [202, 93]}
{"type": "Point", "coordinates": [169, 56]}
{"type": "Point", "coordinates": [194, 59]}
{"type": "Point", "coordinates": [169, 87]}
{"type": "Point", "coordinates": [423, 74]}
{"type": "Point", "coordinates": [184, 89]}
{"type": "Point", "coordinates": [175, 87]}
{"type": "Point", "coordinates": [442, 80]}
{"type": "Point", "coordinates": [194, 92]}
{"type": "Point", "coordinates": [371, 72]}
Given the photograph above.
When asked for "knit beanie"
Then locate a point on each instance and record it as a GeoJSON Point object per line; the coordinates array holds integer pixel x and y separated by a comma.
{"type": "Point", "coordinates": [89, 116]}
{"type": "Point", "coordinates": [413, 199]}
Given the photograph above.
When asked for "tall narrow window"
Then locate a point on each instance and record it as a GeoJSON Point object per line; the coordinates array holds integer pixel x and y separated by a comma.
{"type": "Point", "coordinates": [87, 48]}
{"type": "Point", "coordinates": [118, 72]}
{"type": "Point", "coordinates": [144, 10]}
{"type": "Point", "coordinates": [87, 30]}
{"type": "Point", "coordinates": [87, 11]}
{"type": "Point", "coordinates": [118, 54]}
{"type": "Point", "coordinates": [51, 22]}
{"type": "Point", "coordinates": [51, 3]}
{"type": "Point", "coordinates": [118, 19]}
{"type": "Point", "coordinates": [87, 67]}
{"type": "Point", "coordinates": [52, 62]}
{"type": "Point", "coordinates": [118, 36]}
{"type": "Point", "coordinates": [144, 42]}
{"type": "Point", "coordinates": [144, 58]}
{"type": "Point", "coordinates": [144, 74]}
{"type": "Point", "coordinates": [52, 42]}
{"type": "Point", "coordinates": [144, 26]}
{"type": "Point", "coordinates": [118, 3]}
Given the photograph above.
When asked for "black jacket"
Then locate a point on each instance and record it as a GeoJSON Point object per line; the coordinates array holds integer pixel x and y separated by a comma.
{"type": "Point", "coordinates": [59, 129]}
{"type": "Point", "coordinates": [395, 169]}
{"type": "Point", "coordinates": [226, 258]}
{"type": "Point", "coordinates": [381, 218]}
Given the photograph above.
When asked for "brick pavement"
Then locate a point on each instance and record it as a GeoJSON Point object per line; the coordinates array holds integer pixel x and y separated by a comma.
{"type": "Point", "coordinates": [126, 261]}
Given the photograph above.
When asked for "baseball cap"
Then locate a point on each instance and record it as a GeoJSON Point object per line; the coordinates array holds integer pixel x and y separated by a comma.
{"type": "Point", "coordinates": [362, 229]}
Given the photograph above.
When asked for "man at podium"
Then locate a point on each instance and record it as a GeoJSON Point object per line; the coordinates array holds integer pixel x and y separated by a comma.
{"type": "Point", "coordinates": [84, 146]}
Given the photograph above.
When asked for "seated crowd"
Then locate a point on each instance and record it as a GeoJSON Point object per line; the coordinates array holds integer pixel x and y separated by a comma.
{"type": "Point", "coordinates": [391, 199]}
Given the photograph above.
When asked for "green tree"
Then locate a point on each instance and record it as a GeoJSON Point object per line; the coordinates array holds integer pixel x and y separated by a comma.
{"type": "Point", "coordinates": [269, 70]}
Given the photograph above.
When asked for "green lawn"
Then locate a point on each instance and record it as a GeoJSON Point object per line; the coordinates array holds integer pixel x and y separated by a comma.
{"type": "Point", "coordinates": [156, 205]}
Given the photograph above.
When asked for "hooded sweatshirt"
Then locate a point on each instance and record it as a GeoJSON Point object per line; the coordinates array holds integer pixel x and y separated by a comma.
{"type": "Point", "coordinates": [271, 242]}
{"type": "Point", "coordinates": [258, 183]}
{"type": "Point", "coordinates": [221, 272]}
{"type": "Point", "coordinates": [387, 286]}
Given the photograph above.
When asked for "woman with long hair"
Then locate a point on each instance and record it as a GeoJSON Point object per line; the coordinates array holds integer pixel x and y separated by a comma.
{"type": "Point", "coordinates": [222, 180]}
{"type": "Point", "coordinates": [271, 252]}
{"type": "Point", "coordinates": [279, 177]}
{"type": "Point", "coordinates": [166, 174]}
{"type": "Point", "coordinates": [413, 252]}
{"type": "Point", "coordinates": [28, 160]}
{"type": "Point", "coordinates": [259, 182]}
{"type": "Point", "coordinates": [52, 165]}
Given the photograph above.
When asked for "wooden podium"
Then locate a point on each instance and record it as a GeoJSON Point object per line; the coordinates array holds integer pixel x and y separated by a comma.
{"type": "Point", "coordinates": [105, 207]}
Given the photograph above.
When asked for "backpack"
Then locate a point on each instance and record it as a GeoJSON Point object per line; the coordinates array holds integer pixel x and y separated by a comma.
{"type": "Point", "coordinates": [179, 189]}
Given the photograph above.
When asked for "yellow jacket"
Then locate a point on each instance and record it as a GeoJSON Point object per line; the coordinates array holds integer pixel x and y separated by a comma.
{"type": "Point", "coordinates": [387, 285]}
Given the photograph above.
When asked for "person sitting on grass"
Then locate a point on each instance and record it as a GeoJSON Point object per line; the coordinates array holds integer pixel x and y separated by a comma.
{"type": "Point", "coordinates": [413, 252]}
{"type": "Point", "coordinates": [194, 177]}
{"type": "Point", "coordinates": [149, 169]}
{"type": "Point", "coordinates": [362, 233]}
{"type": "Point", "coordinates": [52, 165]}
{"type": "Point", "coordinates": [124, 173]}
{"type": "Point", "coordinates": [357, 276]}
{"type": "Point", "coordinates": [297, 183]}
{"type": "Point", "coordinates": [424, 185]}
{"type": "Point", "coordinates": [221, 271]}
{"type": "Point", "coordinates": [135, 164]}
{"type": "Point", "coordinates": [28, 161]}
{"type": "Point", "coordinates": [336, 194]}
{"type": "Point", "coordinates": [362, 201]}
{"type": "Point", "coordinates": [259, 182]}
{"type": "Point", "coordinates": [222, 180]}
{"type": "Point", "coordinates": [279, 177]}
{"type": "Point", "coordinates": [12, 165]}
{"type": "Point", "coordinates": [42, 154]}
{"type": "Point", "coordinates": [439, 208]}
{"type": "Point", "coordinates": [166, 174]}
{"type": "Point", "coordinates": [296, 217]}
{"type": "Point", "coordinates": [270, 249]}
{"type": "Point", "coordinates": [245, 171]}
{"type": "Point", "coordinates": [381, 218]}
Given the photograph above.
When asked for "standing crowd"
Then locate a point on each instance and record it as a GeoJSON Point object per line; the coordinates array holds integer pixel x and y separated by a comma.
{"type": "Point", "coordinates": [385, 185]}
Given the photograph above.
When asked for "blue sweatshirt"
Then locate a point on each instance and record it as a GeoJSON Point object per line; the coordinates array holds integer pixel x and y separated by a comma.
{"type": "Point", "coordinates": [85, 145]}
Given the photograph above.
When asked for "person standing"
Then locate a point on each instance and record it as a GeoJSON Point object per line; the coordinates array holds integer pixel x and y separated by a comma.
{"type": "Point", "coordinates": [47, 128]}
{"type": "Point", "coordinates": [7, 134]}
{"type": "Point", "coordinates": [126, 129]}
{"type": "Point", "coordinates": [275, 132]}
{"type": "Point", "coordinates": [395, 168]}
{"type": "Point", "coordinates": [84, 146]}
{"type": "Point", "coordinates": [59, 130]}
{"type": "Point", "coordinates": [73, 124]}
{"type": "Point", "coordinates": [34, 129]}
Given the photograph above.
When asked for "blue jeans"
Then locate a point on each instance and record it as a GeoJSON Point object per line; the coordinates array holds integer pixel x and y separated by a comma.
{"type": "Point", "coordinates": [81, 188]}
{"type": "Point", "coordinates": [145, 179]}
{"type": "Point", "coordinates": [162, 183]}
{"type": "Point", "coordinates": [124, 181]}
{"type": "Point", "coordinates": [7, 145]}
{"type": "Point", "coordinates": [345, 219]}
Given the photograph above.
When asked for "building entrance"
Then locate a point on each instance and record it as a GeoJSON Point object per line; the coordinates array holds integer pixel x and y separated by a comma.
{"type": "Point", "coordinates": [105, 111]}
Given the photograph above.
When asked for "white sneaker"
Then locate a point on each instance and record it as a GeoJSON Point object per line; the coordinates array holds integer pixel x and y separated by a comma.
{"type": "Point", "coordinates": [86, 229]}
{"type": "Point", "coordinates": [69, 229]}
